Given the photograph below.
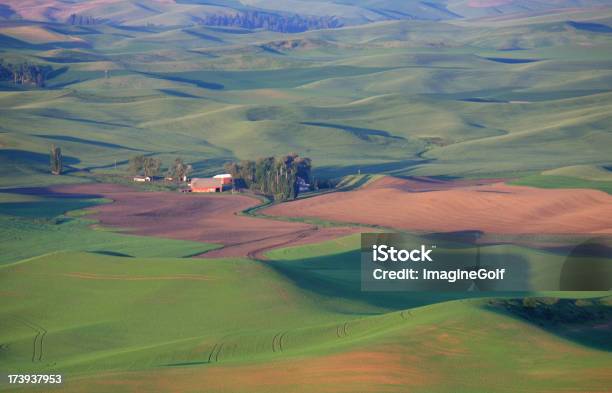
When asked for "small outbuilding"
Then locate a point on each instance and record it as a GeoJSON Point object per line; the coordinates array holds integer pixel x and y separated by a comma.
{"type": "Point", "coordinates": [302, 185]}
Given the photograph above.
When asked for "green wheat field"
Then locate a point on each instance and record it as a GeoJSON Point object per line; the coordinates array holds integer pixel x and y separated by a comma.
{"type": "Point", "coordinates": [519, 91]}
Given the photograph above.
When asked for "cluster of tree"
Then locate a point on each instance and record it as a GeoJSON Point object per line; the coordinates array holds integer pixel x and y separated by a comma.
{"type": "Point", "coordinates": [55, 162]}
{"type": "Point", "coordinates": [273, 22]}
{"type": "Point", "coordinates": [179, 170]}
{"type": "Point", "coordinates": [24, 73]}
{"type": "Point", "coordinates": [150, 166]}
{"type": "Point", "coordinates": [83, 20]}
{"type": "Point", "coordinates": [275, 177]}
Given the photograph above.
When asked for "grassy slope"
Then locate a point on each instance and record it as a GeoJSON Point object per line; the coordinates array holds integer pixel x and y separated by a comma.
{"type": "Point", "coordinates": [24, 239]}
{"type": "Point", "coordinates": [555, 181]}
{"type": "Point", "coordinates": [32, 225]}
{"type": "Point", "coordinates": [205, 296]}
{"type": "Point", "coordinates": [597, 177]}
{"type": "Point", "coordinates": [218, 322]}
{"type": "Point", "coordinates": [587, 172]}
{"type": "Point", "coordinates": [155, 317]}
{"type": "Point", "coordinates": [334, 266]}
{"type": "Point", "coordinates": [386, 91]}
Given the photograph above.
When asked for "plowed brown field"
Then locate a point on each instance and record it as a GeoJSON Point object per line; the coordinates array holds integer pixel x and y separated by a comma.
{"type": "Point", "coordinates": [430, 205]}
{"type": "Point", "coordinates": [207, 218]}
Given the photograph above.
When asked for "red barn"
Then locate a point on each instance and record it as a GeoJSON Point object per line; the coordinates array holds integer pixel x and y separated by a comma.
{"type": "Point", "coordinates": [206, 185]}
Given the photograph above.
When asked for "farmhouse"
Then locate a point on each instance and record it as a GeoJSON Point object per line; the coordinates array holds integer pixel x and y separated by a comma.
{"type": "Point", "coordinates": [225, 178]}
{"type": "Point", "coordinates": [218, 183]}
{"type": "Point", "coordinates": [302, 185]}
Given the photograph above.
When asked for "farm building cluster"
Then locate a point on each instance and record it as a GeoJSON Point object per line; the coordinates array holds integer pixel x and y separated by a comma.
{"type": "Point", "coordinates": [217, 183]}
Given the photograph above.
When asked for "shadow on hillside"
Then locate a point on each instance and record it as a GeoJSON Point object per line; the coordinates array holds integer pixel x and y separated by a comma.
{"type": "Point", "coordinates": [176, 93]}
{"type": "Point", "coordinates": [84, 141]}
{"type": "Point", "coordinates": [584, 321]}
{"type": "Point", "coordinates": [137, 29]}
{"type": "Point", "coordinates": [49, 192]}
{"type": "Point", "coordinates": [338, 276]}
{"type": "Point", "coordinates": [174, 78]}
{"type": "Point", "coordinates": [25, 157]}
{"type": "Point", "coordinates": [362, 181]}
{"type": "Point", "coordinates": [44, 209]}
{"type": "Point", "coordinates": [203, 36]}
{"type": "Point", "coordinates": [57, 72]}
{"type": "Point", "coordinates": [82, 30]}
{"type": "Point", "coordinates": [390, 168]}
{"type": "Point", "coordinates": [15, 161]}
{"type": "Point", "coordinates": [112, 253]}
{"type": "Point", "coordinates": [361, 133]}
{"type": "Point", "coordinates": [590, 27]}
{"type": "Point", "coordinates": [203, 167]}
{"type": "Point", "coordinates": [6, 11]}
{"type": "Point", "coordinates": [508, 60]}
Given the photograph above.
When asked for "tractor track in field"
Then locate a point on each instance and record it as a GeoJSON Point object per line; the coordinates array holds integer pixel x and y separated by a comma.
{"type": "Point", "coordinates": [210, 355]}
{"type": "Point", "coordinates": [277, 341]}
{"type": "Point", "coordinates": [213, 356]}
{"type": "Point", "coordinates": [218, 352]}
{"type": "Point", "coordinates": [342, 330]}
{"type": "Point", "coordinates": [274, 342]}
{"type": "Point", "coordinates": [39, 338]}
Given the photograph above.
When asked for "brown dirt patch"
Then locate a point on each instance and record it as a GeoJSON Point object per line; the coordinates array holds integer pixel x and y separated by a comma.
{"type": "Point", "coordinates": [431, 205]}
{"type": "Point", "coordinates": [207, 218]}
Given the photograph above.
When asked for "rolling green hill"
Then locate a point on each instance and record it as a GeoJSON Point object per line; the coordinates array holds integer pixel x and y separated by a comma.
{"type": "Point", "coordinates": [97, 317]}
{"type": "Point", "coordinates": [452, 88]}
{"type": "Point", "coordinates": [475, 97]}
{"type": "Point", "coordinates": [103, 308]}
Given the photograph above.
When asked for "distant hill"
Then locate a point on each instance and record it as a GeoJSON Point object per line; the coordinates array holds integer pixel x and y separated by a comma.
{"type": "Point", "coordinates": [500, 94]}
{"type": "Point", "coordinates": [276, 15]}
{"type": "Point", "coordinates": [477, 8]}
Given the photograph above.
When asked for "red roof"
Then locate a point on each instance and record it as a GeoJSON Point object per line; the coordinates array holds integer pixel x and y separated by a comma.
{"type": "Point", "coordinates": [205, 183]}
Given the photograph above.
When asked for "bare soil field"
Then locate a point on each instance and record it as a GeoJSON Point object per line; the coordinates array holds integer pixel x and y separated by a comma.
{"type": "Point", "coordinates": [441, 206]}
{"type": "Point", "coordinates": [207, 218]}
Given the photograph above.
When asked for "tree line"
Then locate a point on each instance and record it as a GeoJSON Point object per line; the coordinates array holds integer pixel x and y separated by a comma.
{"type": "Point", "coordinates": [138, 165]}
{"type": "Point", "coordinates": [273, 22]}
{"type": "Point", "coordinates": [56, 164]}
{"type": "Point", "coordinates": [151, 166]}
{"type": "Point", "coordinates": [25, 73]}
{"type": "Point", "coordinates": [277, 177]}
{"type": "Point", "coordinates": [83, 20]}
